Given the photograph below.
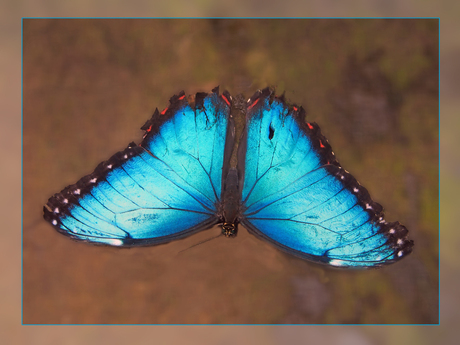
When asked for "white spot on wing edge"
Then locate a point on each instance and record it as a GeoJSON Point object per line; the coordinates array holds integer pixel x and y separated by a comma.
{"type": "Point", "coordinates": [400, 253]}
{"type": "Point", "coordinates": [54, 222]}
{"type": "Point", "coordinates": [115, 242]}
{"type": "Point", "coordinates": [93, 180]}
{"type": "Point", "coordinates": [336, 263]}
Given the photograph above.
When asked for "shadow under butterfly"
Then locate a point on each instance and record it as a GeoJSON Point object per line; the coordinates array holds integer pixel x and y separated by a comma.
{"type": "Point", "coordinates": [287, 189]}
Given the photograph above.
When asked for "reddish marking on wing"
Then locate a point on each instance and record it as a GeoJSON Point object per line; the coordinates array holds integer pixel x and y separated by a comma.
{"type": "Point", "coordinates": [226, 100]}
{"type": "Point", "coordinates": [321, 144]}
{"type": "Point", "coordinates": [328, 162]}
{"type": "Point", "coordinates": [164, 111]}
{"type": "Point", "coordinates": [149, 129]}
{"type": "Point", "coordinates": [295, 108]}
{"type": "Point", "coordinates": [181, 97]}
{"type": "Point", "coordinates": [309, 126]}
{"type": "Point", "coordinates": [253, 104]}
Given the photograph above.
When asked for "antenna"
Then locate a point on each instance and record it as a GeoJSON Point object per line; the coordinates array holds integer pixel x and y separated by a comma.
{"type": "Point", "coordinates": [207, 240]}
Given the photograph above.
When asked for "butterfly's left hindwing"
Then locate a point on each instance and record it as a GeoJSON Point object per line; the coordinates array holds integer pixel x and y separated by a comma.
{"type": "Point", "coordinates": [168, 187]}
{"type": "Point", "coordinates": [296, 195]}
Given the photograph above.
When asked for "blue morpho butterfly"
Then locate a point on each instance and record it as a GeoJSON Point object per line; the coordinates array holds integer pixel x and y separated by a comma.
{"type": "Point", "coordinates": [287, 189]}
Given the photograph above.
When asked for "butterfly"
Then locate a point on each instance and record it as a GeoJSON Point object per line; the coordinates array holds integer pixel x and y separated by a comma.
{"type": "Point", "coordinates": [288, 188]}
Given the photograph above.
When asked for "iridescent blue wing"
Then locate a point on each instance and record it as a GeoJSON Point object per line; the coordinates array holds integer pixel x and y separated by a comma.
{"type": "Point", "coordinates": [166, 188]}
{"type": "Point", "coordinates": [296, 195]}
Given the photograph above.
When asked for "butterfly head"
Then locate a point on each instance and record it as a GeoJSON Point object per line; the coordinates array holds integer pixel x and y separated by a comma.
{"type": "Point", "coordinates": [229, 229]}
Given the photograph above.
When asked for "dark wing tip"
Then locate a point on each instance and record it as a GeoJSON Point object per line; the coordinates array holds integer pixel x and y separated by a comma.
{"type": "Point", "coordinates": [60, 202]}
{"type": "Point", "coordinates": [397, 238]}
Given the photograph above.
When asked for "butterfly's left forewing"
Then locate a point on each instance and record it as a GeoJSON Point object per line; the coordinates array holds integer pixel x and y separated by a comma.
{"type": "Point", "coordinates": [168, 187]}
{"type": "Point", "coordinates": [296, 196]}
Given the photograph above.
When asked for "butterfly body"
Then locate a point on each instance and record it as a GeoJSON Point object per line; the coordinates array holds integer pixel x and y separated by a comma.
{"type": "Point", "coordinates": [230, 205]}
{"type": "Point", "coordinates": [288, 188]}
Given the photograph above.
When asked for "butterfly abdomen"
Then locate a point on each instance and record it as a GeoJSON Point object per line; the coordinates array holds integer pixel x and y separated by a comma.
{"type": "Point", "coordinates": [230, 204]}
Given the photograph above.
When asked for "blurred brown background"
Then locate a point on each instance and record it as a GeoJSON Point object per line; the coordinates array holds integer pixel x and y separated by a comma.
{"type": "Point", "coordinates": [90, 84]}
{"type": "Point", "coordinates": [157, 96]}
